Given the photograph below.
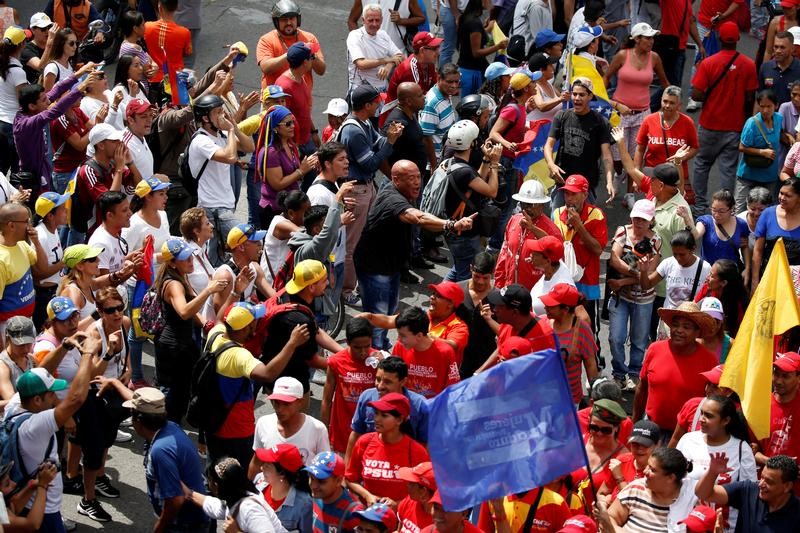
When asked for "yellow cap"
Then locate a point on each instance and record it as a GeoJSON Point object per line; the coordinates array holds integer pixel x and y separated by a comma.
{"type": "Point", "coordinates": [306, 273]}
{"type": "Point", "coordinates": [14, 35]}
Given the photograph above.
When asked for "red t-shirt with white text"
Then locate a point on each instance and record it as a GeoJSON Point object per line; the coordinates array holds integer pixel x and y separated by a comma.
{"type": "Point", "coordinates": [413, 516]}
{"type": "Point", "coordinates": [352, 378]}
{"type": "Point", "coordinates": [374, 464]}
{"type": "Point", "coordinates": [651, 136]}
{"type": "Point", "coordinates": [429, 371]}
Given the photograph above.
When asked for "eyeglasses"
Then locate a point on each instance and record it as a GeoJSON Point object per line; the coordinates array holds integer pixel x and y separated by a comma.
{"type": "Point", "coordinates": [91, 260]}
{"type": "Point", "coordinates": [720, 211]}
{"type": "Point", "coordinates": [72, 43]}
{"type": "Point", "coordinates": [26, 221]}
{"type": "Point", "coordinates": [605, 430]}
{"type": "Point", "coordinates": [287, 124]}
{"type": "Point", "coordinates": [111, 310]}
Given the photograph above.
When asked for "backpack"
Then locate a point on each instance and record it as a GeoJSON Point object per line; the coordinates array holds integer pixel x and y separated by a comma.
{"type": "Point", "coordinates": [337, 136]}
{"type": "Point", "coordinates": [10, 450]}
{"type": "Point", "coordinates": [435, 191]}
{"type": "Point", "coordinates": [274, 306]}
{"type": "Point", "coordinates": [151, 320]}
{"type": "Point", "coordinates": [185, 173]}
{"type": "Point", "coordinates": [207, 408]}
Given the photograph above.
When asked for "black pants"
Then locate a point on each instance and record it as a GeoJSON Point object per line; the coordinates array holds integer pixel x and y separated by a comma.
{"type": "Point", "coordinates": [240, 449]}
{"type": "Point", "coordinates": [658, 303]}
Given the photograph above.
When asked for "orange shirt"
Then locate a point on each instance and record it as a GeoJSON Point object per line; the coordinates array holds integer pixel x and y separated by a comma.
{"type": "Point", "coordinates": [273, 44]}
{"type": "Point", "coordinates": [167, 41]}
{"type": "Point", "coordinates": [452, 329]}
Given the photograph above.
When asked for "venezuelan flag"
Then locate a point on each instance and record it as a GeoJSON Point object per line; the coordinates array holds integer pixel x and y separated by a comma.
{"type": "Point", "coordinates": [580, 67]}
{"type": "Point", "coordinates": [530, 155]}
{"type": "Point", "coordinates": [144, 279]}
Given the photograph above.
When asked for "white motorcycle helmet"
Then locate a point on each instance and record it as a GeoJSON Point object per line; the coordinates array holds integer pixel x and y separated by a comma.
{"type": "Point", "coordinates": [462, 134]}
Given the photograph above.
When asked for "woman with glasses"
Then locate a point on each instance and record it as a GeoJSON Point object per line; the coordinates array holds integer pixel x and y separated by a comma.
{"type": "Point", "coordinates": [58, 65]}
{"type": "Point", "coordinates": [278, 163]}
{"type": "Point", "coordinates": [602, 445]}
{"type": "Point", "coordinates": [81, 280]}
{"type": "Point", "coordinates": [722, 234]}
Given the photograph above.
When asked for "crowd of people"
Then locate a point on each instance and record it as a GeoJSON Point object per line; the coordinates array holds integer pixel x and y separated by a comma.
{"type": "Point", "coordinates": [119, 229]}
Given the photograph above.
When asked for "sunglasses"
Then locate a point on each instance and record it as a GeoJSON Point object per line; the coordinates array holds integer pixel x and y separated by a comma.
{"type": "Point", "coordinates": [111, 310]}
{"type": "Point", "coordinates": [287, 124]}
{"type": "Point", "coordinates": [91, 260]}
{"type": "Point", "coordinates": [72, 43]}
{"type": "Point", "coordinates": [605, 430]}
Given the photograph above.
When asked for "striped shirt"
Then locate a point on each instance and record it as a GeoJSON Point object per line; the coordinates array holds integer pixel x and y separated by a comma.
{"type": "Point", "coordinates": [585, 349]}
{"type": "Point", "coordinates": [643, 515]}
{"type": "Point", "coordinates": [328, 515]}
{"type": "Point", "coordinates": [437, 116]}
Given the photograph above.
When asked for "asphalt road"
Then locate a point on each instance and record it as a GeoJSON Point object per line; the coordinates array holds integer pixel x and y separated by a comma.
{"type": "Point", "coordinates": [225, 22]}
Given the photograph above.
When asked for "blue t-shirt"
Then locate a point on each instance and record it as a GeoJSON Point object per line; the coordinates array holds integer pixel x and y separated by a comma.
{"type": "Point", "coordinates": [364, 417]}
{"type": "Point", "coordinates": [751, 137]}
{"type": "Point", "coordinates": [769, 228]}
{"type": "Point", "coordinates": [754, 513]}
{"type": "Point", "coordinates": [173, 458]}
{"type": "Point", "coordinates": [714, 248]}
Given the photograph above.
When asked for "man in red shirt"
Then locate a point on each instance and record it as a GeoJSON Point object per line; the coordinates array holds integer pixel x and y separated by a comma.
{"type": "Point", "coordinates": [676, 26]}
{"type": "Point", "coordinates": [671, 369]}
{"type": "Point", "coordinates": [272, 46]}
{"type": "Point", "coordinates": [350, 372]}
{"type": "Point", "coordinates": [431, 362]}
{"type": "Point", "coordinates": [300, 57]}
{"type": "Point", "coordinates": [419, 67]}
{"type": "Point", "coordinates": [512, 306]}
{"type": "Point", "coordinates": [167, 42]}
{"type": "Point", "coordinates": [726, 83]}
{"type": "Point", "coordinates": [784, 436]}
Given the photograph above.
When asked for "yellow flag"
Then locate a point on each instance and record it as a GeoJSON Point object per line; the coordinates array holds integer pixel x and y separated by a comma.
{"type": "Point", "coordinates": [498, 36]}
{"type": "Point", "coordinates": [580, 67]}
{"type": "Point", "coordinates": [748, 368]}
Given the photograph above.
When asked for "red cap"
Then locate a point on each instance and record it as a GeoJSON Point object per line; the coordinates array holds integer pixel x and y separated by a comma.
{"type": "Point", "coordinates": [285, 454]}
{"type": "Point", "coordinates": [701, 519]}
{"type": "Point", "coordinates": [436, 498]}
{"type": "Point", "coordinates": [449, 290]}
{"type": "Point", "coordinates": [579, 523]}
{"type": "Point", "coordinates": [423, 38]}
{"type": "Point", "coordinates": [788, 362]}
{"type": "Point", "coordinates": [728, 32]}
{"type": "Point", "coordinates": [576, 183]}
{"type": "Point", "coordinates": [514, 344]}
{"type": "Point", "coordinates": [713, 375]}
{"type": "Point", "coordinates": [787, 3]}
{"type": "Point", "coordinates": [551, 247]}
{"type": "Point", "coordinates": [422, 474]}
{"type": "Point", "coordinates": [561, 294]}
{"type": "Point", "coordinates": [137, 106]}
{"type": "Point", "coordinates": [393, 401]}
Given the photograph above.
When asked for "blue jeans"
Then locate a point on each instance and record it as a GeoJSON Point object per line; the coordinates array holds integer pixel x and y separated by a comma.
{"type": "Point", "coordinates": [253, 197]}
{"type": "Point", "coordinates": [236, 183]}
{"type": "Point", "coordinates": [627, 318]}
{"type": "Point", "coordinates": [464, 249]}
{"type": "Point", "coordinates": [471, 81]}
{"type": "Point", "coordinates": [52, 523]}
{"type": "Point", "coordinates": [224, 220]}
{"type": "Point", "coordinates": [450, 34]}
{"type": "Point", "coordinates": [379, 294]}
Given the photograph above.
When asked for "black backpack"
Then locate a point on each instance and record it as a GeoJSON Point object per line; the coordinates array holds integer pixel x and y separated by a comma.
{"type": "Point", "coordinates": [207, 408]}
{"type": "Point", "coordinates": [185, 173]}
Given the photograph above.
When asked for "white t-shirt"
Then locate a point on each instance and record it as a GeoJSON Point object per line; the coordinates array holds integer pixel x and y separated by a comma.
{"type": "Point", "coordinates": [52, 246]}
{"type": "Point", "coordinates": [253, 514]}
{"type": "Point", "coordinates": [275, 249]}
{"type": "Point", "coordinates": [139, 229]}
{"type": "Point", "coordinates": [462, 4]}
{"type": "Point", "coordinates": [214, 187]}
{"type": "Point", "coordinates": [391, 29]}
{"type": "Point", "coordinates": [740, 461]}
{"type": "Point", "coordinates": [544, 286]}
{"type": "Point", "coordinates": [68, 366]}
{"type": "Point", "coordinates": [142, 156]}
{"type": "Point", "coordinates": [91, 106]}
{"type": "Point", "coordinates": [34, 437]}
{"type": "Point", "coordinates": [9, 104]}
{"type": "Point", "coordinates": [311, 439]}
{"type": "Point", "coordinates": [200, 276]}
{"type": "Point", "coordinates": [318, 194]}
{"type": "Point", "coordinates": [58, 70]}
{"type": "Point", "coordinates": [361, 45]}
{"type": "Point", "coordinates": [113, 256]}
{"type": "Point", "coordinates": [679, 280]}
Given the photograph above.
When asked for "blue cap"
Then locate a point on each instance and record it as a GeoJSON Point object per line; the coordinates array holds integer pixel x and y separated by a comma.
{"type": "Point", "coordinates": [297, 53]}
{"type": "Point", "coordinates": [176, 248]}
{"type": "Point", "coordinates": [274, 91]}
{"type": "Point", "coordinates": [547, 36]}
{"type": "Point", "coordinates": [497, 69]}
{"type": "Point", "coordinates": [325, 465]}
{"type": "Point", "coordinates": [48, 201]}
{"type": "Point", "coordinates": [60, 308]}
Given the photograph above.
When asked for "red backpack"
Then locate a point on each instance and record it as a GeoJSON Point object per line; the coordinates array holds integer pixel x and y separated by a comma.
{"type": "Point", "coordinates": [275, 306]}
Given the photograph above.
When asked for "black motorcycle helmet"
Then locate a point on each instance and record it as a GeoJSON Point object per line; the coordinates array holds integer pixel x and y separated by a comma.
{"type": "Point", "coordinates": [204, 105]}
{"type": "Point", "coordinates": [469, 106]}
{"type": "Point", "coordinates": [283, 9]}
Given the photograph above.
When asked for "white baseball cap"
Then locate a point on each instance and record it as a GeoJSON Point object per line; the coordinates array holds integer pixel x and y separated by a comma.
{"type": "Point", "coordinates": [712, 307]}
{"type": "Point", "coordinates": [643, 29]}
{"type": "Point", "coordinates": [286, 389]}
{"type": "Point", "coordinates": [337, 107]}
{"type": "Point", "coordinates": [40, 20]}
{"type": "Point", "coordinates": [104, 132]}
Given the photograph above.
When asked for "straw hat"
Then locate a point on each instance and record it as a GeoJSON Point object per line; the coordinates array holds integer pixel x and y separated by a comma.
{"type": "Point", "coordinates": [691, 311]}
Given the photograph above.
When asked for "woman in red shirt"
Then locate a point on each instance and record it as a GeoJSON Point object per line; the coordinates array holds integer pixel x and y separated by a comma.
{"type": "Point", "coordinates": [376, 458]}
{"type": "Point", "coordinates": [414, 510]}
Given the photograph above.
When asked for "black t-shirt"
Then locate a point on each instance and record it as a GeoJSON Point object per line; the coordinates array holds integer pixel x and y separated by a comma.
{"type": "Point", "coordinates": [462, 176]}
{"type": "Point", "coordinates": [409, 145]}
{"type": "Point", "coordinates": [280, 329]}
{"type": "Point", "coordinates": [29, 52]}
{"type": "Point", "coordinates": [482, 340]}
{"type": "Point", "coordinates": [385, 245]}
{"type": "Point", "coordinates": [467, 26]}
{"type": "Point", "coordinates": [581, 137]}
{"type": "Point", "coordinates": [754, 513]}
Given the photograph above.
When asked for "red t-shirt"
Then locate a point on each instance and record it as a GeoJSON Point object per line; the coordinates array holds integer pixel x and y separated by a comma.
{"type": "Point", "coordinates": [413, 516]}
{"type": "Point", "coordinates": [167, 41]}
{"type": "Point", "coordinates": [516, 115]}
{"type": "Point", "coordinates": [724, 109]}
{"type": "Point", "coordinates": [651, 136]}
{"type": "Point", "coordinates": [784, 434]}
{"type": "Point", "coordinates": [672, 15]}
{"type": "Point", "coordinates": [513, 265]}
{"type": "Point", "coordinates": [429, 371]}
{"type": "Point", "coordinates": [687, 414]}
{"type": "Point", "coordinates": [625, 428]}
{"type": "Point", "coordinates": [374, 464]}
{"type": "Point", "coordinates": [299, 104]}
{"type": "Point", "coordinates": [67, 158]}
{"type": "Point", "coordinates": [352, 378]}
{"type": "Point", "coordinates": [540, 336]}
{"type": "Point", "coordinates": [709, 8]}
{"type": "Point", "coordinates": [452, 329]}
{"type": "Point", "coordinates": [594, 220]}
{"type": "Point", "coordinates": [468, 528]}
{"type": "Point", "coordinates": [672, 380]}
{"type": "Point", "coordinates": [423, 74]}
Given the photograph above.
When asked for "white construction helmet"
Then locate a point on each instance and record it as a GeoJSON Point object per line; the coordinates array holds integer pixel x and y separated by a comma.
{"type": "Point", "coordinates": [462, 134]}
{"type": "Point", "coordinates": [531, 192]}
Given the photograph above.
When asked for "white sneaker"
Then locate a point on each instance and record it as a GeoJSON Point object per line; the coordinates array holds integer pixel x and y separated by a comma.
{"type": "Point", "coordinates": [319, 377]}
{"type": "Point", "coordinates": [628, 200]}
{"type": "Point", "coordinates": [123, 437]}
{"type": "Point", "coordinates": [693, 106]}
{"type": "Point", "coordinates": [630, 384]}
{"type": "Point", "coordinates": [128, 422]}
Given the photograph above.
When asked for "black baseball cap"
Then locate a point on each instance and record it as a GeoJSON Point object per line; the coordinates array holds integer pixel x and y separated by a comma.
{"type": "Point", "coordinates": [539, 61]}
{"type": "Point", "coordinates": [514, 296]}
{"type": "Point", "coordinates": [645, 433]}
{"type": "Point", "coordinates": [667, 173]}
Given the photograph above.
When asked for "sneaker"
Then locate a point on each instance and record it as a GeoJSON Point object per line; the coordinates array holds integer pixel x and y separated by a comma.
{"type": "Point", "coordinates": [352, 299]}
{"type": "Point", "coordinates": [123, 437]}
{"type": "Point", "coordinates": [138, 384]}
{"type": "Point", "coordinates": [622, 382]}
{"type": "Point", "coordinates": [628, 200]}
{"type": "Point", "coordinates": [319, 376]}
{"type": "Point", "coordinates": [103, 486]}
{"type": "Point", "coordinates": [69, 525]}
{"type": "Point", "coordinates": [693, 106]}
{"type": "Point", "coordinates": [93, 510]}
{"type": "Point", "coordinates": [631, 383]}
{"type": "Point", "coordinates": [128, 422]}
{"type": "Point", "coordinates": [73, 485]}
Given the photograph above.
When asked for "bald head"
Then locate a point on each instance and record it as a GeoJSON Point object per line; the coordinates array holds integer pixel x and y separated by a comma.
{"type": "Point", "coordinates": [12, 211]}
{"type": "Point", "coordinates": [410, 96]}
{"type": "Point", "coordinates": [406, 178]}
{"type": "Point", "coordinates": [402, 168]}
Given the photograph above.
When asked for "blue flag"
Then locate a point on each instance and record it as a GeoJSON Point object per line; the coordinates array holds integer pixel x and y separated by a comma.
{"type": "Point", "coordinates": [506, 430]}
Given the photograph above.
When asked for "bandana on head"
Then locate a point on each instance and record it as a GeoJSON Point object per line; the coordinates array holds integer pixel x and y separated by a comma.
{"type": "Point", "coordinates": [275, 115]}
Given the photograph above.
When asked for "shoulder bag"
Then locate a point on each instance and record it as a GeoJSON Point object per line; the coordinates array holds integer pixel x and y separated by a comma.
{"type": "Point", "coordinates": [759, 161]}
